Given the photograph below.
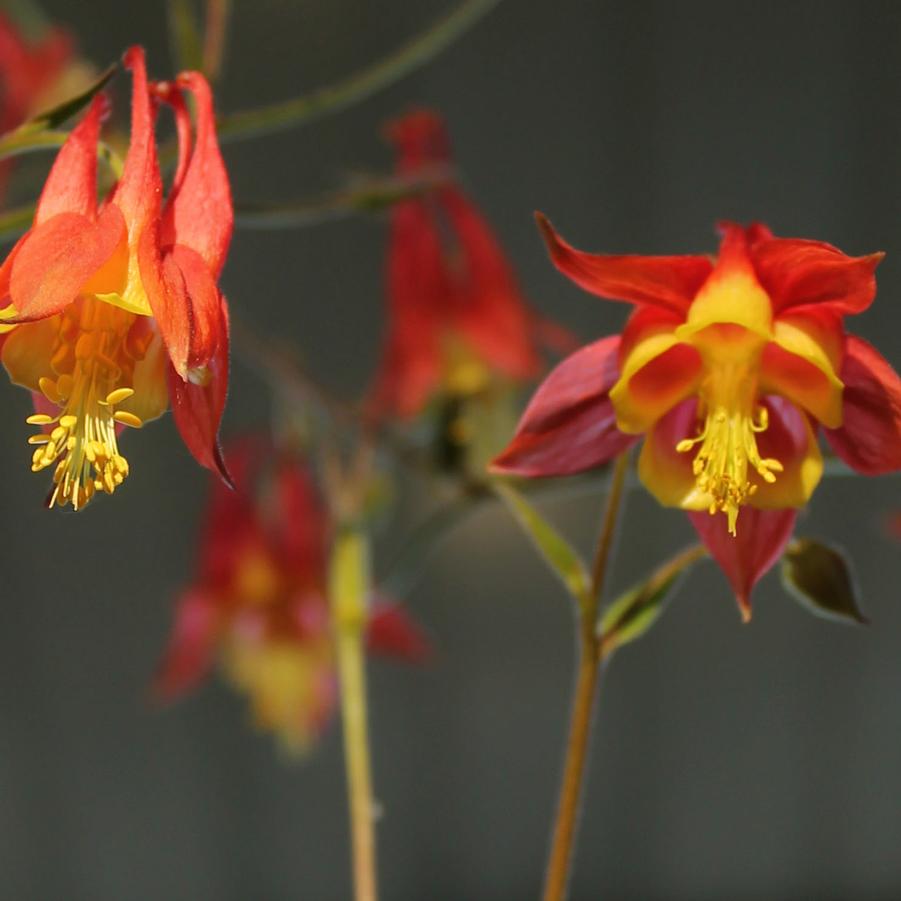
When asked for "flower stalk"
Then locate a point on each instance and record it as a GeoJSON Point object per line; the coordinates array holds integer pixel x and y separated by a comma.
{"type": "Point", "coordinates": [584, 695]}
{"type": "Point", "coordinates": [348, 589]}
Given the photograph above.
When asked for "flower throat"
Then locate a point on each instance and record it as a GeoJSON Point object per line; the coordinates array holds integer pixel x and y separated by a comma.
{"type": "Point", "coordinates": [92, 363]}
{"type": "Point", "coordinates": [728, 451]}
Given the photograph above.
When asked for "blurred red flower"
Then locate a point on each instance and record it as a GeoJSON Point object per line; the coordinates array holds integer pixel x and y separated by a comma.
{"type": "Point", "coordinates": [258, 602]}
{"type": "Point", "coordinates": [104, 307]}
{"type": "Point", "coordinates": [30, 72]}
{"type": "Point", "coordinates": [456, 317]}
{"type": "Point", "coordinates": [726, 367]}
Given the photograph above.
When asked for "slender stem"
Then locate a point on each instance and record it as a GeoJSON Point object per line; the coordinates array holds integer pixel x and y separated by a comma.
{"type": "Point", "coordinates": [586, 689]}
{"type": "Point", "coordinates": [605, 541]}
{"type": "Point", "coordinates": [370, 196]}
{"type": "Point", "coordinates": [351, 668]}
{"type": "Point", "coordinates": [217, 16]}
{"type": "Point", "coordinates": [349, 585]}
{"type": "Point", "coordinates": [360, 85]}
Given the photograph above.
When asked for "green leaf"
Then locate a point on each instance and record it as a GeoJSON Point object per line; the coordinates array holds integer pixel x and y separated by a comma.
{"type": "Point", "coordinates": [556, 550]}
{"type": "Point", "coordinates": [636, 610]}
{"type": "Point", "coordinates": [819, 576]}
{"type": "Point", "coordinates": [61, 113]}
{"type": "Point", "coordinates": [41, 132]}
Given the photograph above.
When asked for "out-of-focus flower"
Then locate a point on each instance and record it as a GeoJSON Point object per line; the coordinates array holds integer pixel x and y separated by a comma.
{"type": "Point", "coordinates": [114, 311]}
{"type": "Point", "coordinates": [34, 75]}
{"type": "Point", "coordinates": [726, 367]}
{"type": "Point", "coordinates": [258, 603]}
{"type": "Point", "coordinates": [28, 70]}
{"type": "Point", "coordinates": [457, 318]}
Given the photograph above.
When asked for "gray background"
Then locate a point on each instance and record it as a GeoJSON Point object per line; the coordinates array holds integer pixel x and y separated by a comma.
{"type": "Point", "coordinates": [731, 762]}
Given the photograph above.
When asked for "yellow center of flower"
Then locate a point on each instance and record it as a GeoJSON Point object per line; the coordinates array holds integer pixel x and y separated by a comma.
{"type": "Point", "coordinates": [93, 361]}
{"type": "Point", "coordinates": [728, 455]}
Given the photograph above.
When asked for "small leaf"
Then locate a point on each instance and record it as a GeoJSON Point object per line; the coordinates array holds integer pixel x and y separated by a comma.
{"type": "Point", "coordinates": [636, 610]}
{"type": "Point", "coordinates": [60, 114]}
{"type": "Point", "coordinates": [819, 576]}
{"type": "Point", "coordinates": [41, 133]}
{"type": "Point", "coordinates": [555, 549]}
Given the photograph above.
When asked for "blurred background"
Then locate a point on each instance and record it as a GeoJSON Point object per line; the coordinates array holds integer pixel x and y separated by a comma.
{"type": "Point", "coordinates": [730, 762]}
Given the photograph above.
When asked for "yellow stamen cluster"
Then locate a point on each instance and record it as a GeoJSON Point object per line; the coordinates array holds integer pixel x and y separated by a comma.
{"type": "Point", "coordinates": [95, 353]}
{"type": "Point", "coordinates": [728, 450]}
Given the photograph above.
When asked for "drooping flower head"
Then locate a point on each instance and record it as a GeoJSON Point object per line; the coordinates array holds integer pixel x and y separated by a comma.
{"type": "Point", "coordinates": [726, 367]}
{"type": "Point", "coordinates": [113, 310]}
{"type": "Point", "coordinates": [457, 318]}
{"type": "Point", "coordinates": [258, 602]}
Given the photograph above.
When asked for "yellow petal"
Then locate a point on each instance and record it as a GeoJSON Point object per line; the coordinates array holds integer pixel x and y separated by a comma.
{"type": "Point", "coordinates": [666, 474]}
{"type": "Point", "coordinates": [801, 471]}
{"type": "Point", "coordinates": [801, 365]}
{"type": "Point", "coordinates": [151, 397]}
{"type": "Point", "coordinates": [730, 296]}
{"type": "Point", "coordinates": [658, 372]}
{"type": "Point", "coordinates": [28, 349]}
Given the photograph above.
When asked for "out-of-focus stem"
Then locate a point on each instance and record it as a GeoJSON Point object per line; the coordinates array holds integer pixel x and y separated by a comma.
{"type": "Point", "coordinates": [349, 588]}
{"type": "Point", "coordinates": [584, 694]}
{"type": "Point", "coordinates": [214, 36]}
{"type": "Point", "coordinates": [370, 196]}
{"type": "Point", "coordinates": [360, 85]}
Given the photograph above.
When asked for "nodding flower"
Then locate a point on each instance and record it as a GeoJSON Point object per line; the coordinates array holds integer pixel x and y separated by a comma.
{"type": "Point", "coordinates": [112, 312]}
{"type": "Point", "coordinates": [258, 604]}
{"type": "Point", "coordinates": [727, 369]}
{"type": "Point", "coordinates": [456, 316]}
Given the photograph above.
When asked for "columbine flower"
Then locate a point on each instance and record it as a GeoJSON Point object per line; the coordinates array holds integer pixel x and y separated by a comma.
{"type": "Point", "coordinates": [107, 306]}
{"type": "Point", "coordinates": [258, 602]}
{"type": "Point", "coordinates": [456, 316]}
{"type": "Point", "coordinates": [726, 367]}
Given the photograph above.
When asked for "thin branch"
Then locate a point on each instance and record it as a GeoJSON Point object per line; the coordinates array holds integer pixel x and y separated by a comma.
{"type": "Point", "coordinates": [359, 86]}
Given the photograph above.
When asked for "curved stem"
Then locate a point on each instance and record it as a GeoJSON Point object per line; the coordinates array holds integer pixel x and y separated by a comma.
{"type": "Point", "coordinates": [585, 692]}
{"type": "Point", "coordinates": [360, 85]}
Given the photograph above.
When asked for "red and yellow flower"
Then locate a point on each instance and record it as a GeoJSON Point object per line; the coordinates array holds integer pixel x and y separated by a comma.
{"type": "Point", "coordinates": [457, 318]}
{"type": "Point", "coordinates": [258, 604]}
{"type": "Point", "coordinates": [727, 368]}
{"type": "Point", "coordinates": [113, 312]}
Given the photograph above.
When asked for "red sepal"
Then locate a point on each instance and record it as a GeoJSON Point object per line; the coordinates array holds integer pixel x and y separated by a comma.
{"type": "Point", "coordinates": [139, 191]}
{"type": "Point", "coordinates": [199, 211]}
{"type": "Point", "coordinates": [487, 306]}
{"type": "Point", "coordinates": [417, 291]}
{"type": "Point", "coordinates": [71, 185]}
{"type": "Point", "coordinates": [665, 281]}
{"type": "Point", "coordinates": [299, 523]}
{"type": "Point", "coordinates": [797, 273]}
{"type": "Point", "coordinates": [746, 557]}
{"type": "Point", "coordinates": [570, 424]}
{"type": "Point", "coordinates": [197, 408]}
{"type": "Point", "coordinates": [869, 438]}
{"type": "Point", "coordinates": [393, 633]}
{"type": "Point", "coordinates": [58, 258]}
{"type": "Point", "coordinates": [191, 649]}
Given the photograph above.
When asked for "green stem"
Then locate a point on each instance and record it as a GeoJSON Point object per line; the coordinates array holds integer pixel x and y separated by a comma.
{"type": "Point", "coordinates": [360, 85]}
{"type": "Point", "coordinates": [584, 695]}
{"type": "Point", "coordinates": [349, 587]}
{"type": "Point", "coordinates": [369, 196]}
{"type": "Point", "coordinates": [218, 13]}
